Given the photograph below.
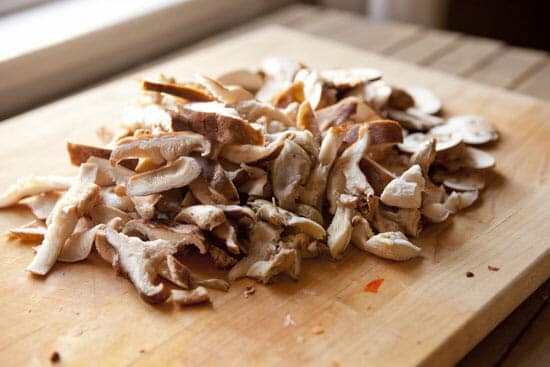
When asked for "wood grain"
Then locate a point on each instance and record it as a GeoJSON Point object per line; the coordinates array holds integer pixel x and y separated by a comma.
{"type": "Point", "coordinates": [537, 84]}
{"type": "Point", "coordinates": [427, 309]}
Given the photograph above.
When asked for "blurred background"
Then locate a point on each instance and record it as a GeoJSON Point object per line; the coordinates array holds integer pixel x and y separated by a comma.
{"type": "Point", "coordinates": [54, 47]}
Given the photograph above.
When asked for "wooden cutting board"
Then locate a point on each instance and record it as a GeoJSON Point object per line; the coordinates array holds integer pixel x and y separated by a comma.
{"type": "Point", "coordinates": [426, 311]}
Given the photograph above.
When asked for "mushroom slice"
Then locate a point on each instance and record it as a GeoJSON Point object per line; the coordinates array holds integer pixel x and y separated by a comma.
{"type": "Point", "coordinates": [424, 156]}
{"type": "Point", "coordinates": [337, 114]}
{"type": "Point", "coordinates": [462, 180]}
{"type": "Point", "coordinates": [151, 117]}
{"type": "Point", "coordinates": [226, 94]}
{"type": "Point", "coordinates": [406, 190]}
{"type": "Point", "coordinates": [30, 232]}
{"type": "Point", "coordinates": [477, 159]}
{"type": "Point", "coordinates": [443, 142]}
{"type": "Point", "coordinates": [279, 73]}
{"type": "Point", "coordinates": [460, 200]}
{"type": "Point", "coordinates": [174, 271]}
{"type": "Point", "coordinates": [41, 205]}
{"type": "Point", "coordinates": [290, 171]}
{"type": "Point", "coordinates": [400, 99]}
{"type": "Point", "coordinates": [145, 205]}
{"type": "Point", "coordinates": [349, 78]}
{"type": "Point", "coordinates": [190, 297]}
{"type": "Point", "coordinates": [253, 110]}
{"type": "Point", "coordinates": [33, 185]}
{"type": "Point", "coordinates": [82, 195]}
{"type": "Point", "coordinates": [180, 234]}
{"type": "Point", "coordinates": [284, 261]}
{"type": "Point", "coordinates": [247, 79]}
{"type": "Point", "coordinates": [306, 120]}
{"type": "Point", "coordinates": [376, 93]}
{"type": "Point", "coordinates": [79, 245]}
{"type": "Point", "coordinates": [140, 260]}
{"type": "Point", "coordinates": [102, 213]}
{"type": "Point", "coordinates": [309, 212]}
{"type": "Point", "coordinates": [162, 147]}
{"type": "Point", "coordinates": [424, 100]}
{"type": "Point", "coordinates": [252, 181]}
{"type": "Point", "coordinates": [217, 122]}
{"type": "Point", "coordinates": [340, 230]}
{"type": "Point", "coordinates": [433, 203]}
{"type": "Point", "coordinates": [312, 86]}
{"type": "Point", "coordinates": [413, 119]}
{"type": "Point", "coordinates": [108, 174]}
{"type": "Point", "coordinates": [470, 128]}
{"type": "Point", "coordinates": [217, 180]}
{"type": "Point", "coordinates": [178, 90]}
{"type": "Point", "coordinates": [278, 216]}
{"type": "Point", "coordinates": [179, 173]}
{"type": "Point", "coordinates": [220, 258]}
{"type": "Point", "coordinates": [238, 212]}
{"type": "Point", "coordinates": [110, 198]}
{"type": "Point", "coordinates": [361, 231]}
{"type": "Point", "coordinates": [292, 93]}
{"type": "Point", "coordinates": [247, 153]}
{"type": "Point", "coordinates": [407, 219]}
{"type": "Point", "coordinates": [391, 246]}
{"type": "Point", "coordinates": [204, 216]}
{"type": "Point", "coordinates": [377, 176]}
{"type": "Point", "coordinates": [80, 153]}
{"type": "Point", "coordinates": [226, 231]}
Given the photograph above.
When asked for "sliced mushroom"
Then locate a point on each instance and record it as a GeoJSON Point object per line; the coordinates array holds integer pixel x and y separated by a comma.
{"type": "Point", "coordinates": [290, 171]}
{"type": "Point", "coordinates": [349, 78]}
{"type": "Point", "coordinates": [42, 205]}
{"type": "Point", "coordinates": [336, 114]}
{"type": "Point", "coordinates": [30, 232]}
{"type": "Point", "coordinates": [151, 117]}
{"type": "Point", "coordinates": [101, 213]}
{"type": "Point", "coordinates": [412, 142]}
{"type": "Point", "coordinates": [306, 120]}
{"type": "Point", "coordinates": [226, 231]}
{"type": "Point", "coordinates": [414, 119]}
{"type": "Point", "coordinates": [179, 173]}
{"type": "Point", "coordinates": [190, 297]}
{"type": "Point", "coordinates": [361, 231]}
{"type": "Point", "coordinates": [249, 80]}
{"type": "Point", "coordinates": [187, 92]}
{"type": "Point", "coordinates": [204, 216]}
{"type": "Point", "coordinates": [223, 93]}
{"type": "Point", "coordinates": [406, 190]}
{"type": "Point", "coordinates": [308, 211]}
{"type": "Point", "coordinates": [79, 245]}
{"type": "Point", "coordinates": [219, 183]}
{"type": "Point", "coordinates": [460, 200]}
{"type": "Point", "coordinates": [407, 219]}
{"type": "Point", "coordinates": [253, 153]}
{"type": "Point", "coordinates": [278, 216]}
{"type": "Point", "coordinates": [424, 156]}
{"type": "Point", "coordinates": [145, 205]}
{"type": "Point", "coordinates": [377, 176]}
{"type": "Point", "coordinates": [220, 258]}
{"type": "Point", "coordinates": [80, 153]}
{"type": "Point", "coordinates": [217, 122]}
{"type": "Point", "coordinates": [340, 230]}
{"type": "Point", "coordinates": [33, 185]}
{"type": "Point", "coordinates": [279, 73]}
{"type": "Point", "coordinates": [312, 86]}
{"type": "Point", "coordinates": [424, 100]}
{"type": "Point", "coordinates": [180, 234]}
{"type": "Point", "coordinates": [251, 180]}
{"type": "Point", "coordinates": [470, 128]}
{"type": "Point", "coordinates": [293, 93]}
{"type": "Point", "coordinates": [400, 99]}
{"type": "Point", "coordinates": [108, 175]}
{"type": "Point", "coordinates": [391, 246]}
{"type": "Point", "coordinates": [110, 198]}
{"type": "Point", "coordinates": [477, 159]}
{"type": "Point", "coordinates": [376, 93]}
{"type": "Point", "coordinates": [462, 180]}
{"type": "Point", "coordinates": [73, 204]}
{"type": "Point", "coordinates": [253, 110]}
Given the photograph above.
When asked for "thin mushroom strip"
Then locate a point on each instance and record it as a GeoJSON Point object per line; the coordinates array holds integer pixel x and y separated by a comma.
{"type": "Point", "coordinates": [253, 171]}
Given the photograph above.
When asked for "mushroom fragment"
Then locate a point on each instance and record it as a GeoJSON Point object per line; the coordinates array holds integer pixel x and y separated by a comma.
{"type": "Point", "coordinates": [42, 205]}
{"type": "Point", "coordinates": [204, 216]}
{"type": "Point", "coordinates": [391, 246]}
{"type": "Point", "coordinates": [247, 79]}
{"type": "Point", "coordinates": [471, 129]}
{"type": "Point", "coordinates": [191, 297]}
{"type": "Point", "coordinates": [80, 153]}
{"type": "Point", "coordinates": [225, 94]}
{"type": "Point", "coordinates": [33, 185]}
{"type": "Point", "coordinates": [405, 191]}
{"type": "Point", "coordinates": [424, 100]}
{"type": "Point", "coordinates": [179, 90]}
{"type": "Point", "coordinates": [30, 232]}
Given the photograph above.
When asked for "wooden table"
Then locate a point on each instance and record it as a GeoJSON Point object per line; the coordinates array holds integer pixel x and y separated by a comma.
{"type": "Point", "coordinates": [523, 338]}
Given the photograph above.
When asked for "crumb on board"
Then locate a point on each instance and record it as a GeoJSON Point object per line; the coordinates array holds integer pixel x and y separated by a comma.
{"type": "Point", "coordinates": [55, 357]}
{"type": "Point", "coordinates": [300, 339]}
{"type": "Point", "coordinates": [373, 285]}
{"type": "Point", "coordinates": [493, 268]}
{"type": "Point", "coordinates": [142, 351]}
{"type": "Point", "coordinates": [248, 291]}
{"type": "Point", "coordinates": [289, 321]}
{"type": "Point", "coordinates": [469, 274]}
{"type": "Point", "coordinates": [317, 330]}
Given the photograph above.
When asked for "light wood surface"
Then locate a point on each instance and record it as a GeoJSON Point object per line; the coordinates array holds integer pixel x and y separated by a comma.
{"type": "Point", "coordinates": [426, 311]}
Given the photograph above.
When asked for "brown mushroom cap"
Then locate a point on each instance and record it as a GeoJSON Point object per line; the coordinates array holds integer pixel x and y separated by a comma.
{"type": "Point", "coordinates": [187, 92]}
{"type": "Point", "coordinates": [79, 153]}
{"type": "Point", "coordinates": [337, 114]}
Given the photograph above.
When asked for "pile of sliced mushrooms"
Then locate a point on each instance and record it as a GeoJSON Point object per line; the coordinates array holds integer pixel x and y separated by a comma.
{"type": "Point", "coordinates": [256, 170]}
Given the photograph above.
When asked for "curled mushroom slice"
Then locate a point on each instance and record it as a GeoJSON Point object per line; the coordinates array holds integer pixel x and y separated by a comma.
{"type": "Point", "coordinates": [247, 153]}
{"type": "Point", "coordinates": [278, 216]}
{"type": "Point", "coordinates": [408, 220]}
{"type": "Point", "coordinates": [108, 174]}
{"type": "Point", "coordinates": [251, 180]}
{"type": "Point", "coordinates": [279, 73]}
{"type": "Point", "coordinates": [425, 155]}
{"type": "Point", "coordinates": [215, 121]}
{"type": "Point", "coordinates": [361, 231]}
{"type": "Point", "coordinates": [308, 211]}
{"type": "Point", "coordinates": [80, 243]}
{"type": "Point", "coordinates": [400, 99]}
{"type": "Point", "coordinates": [223, 93]}
{"type": "Point", "coordinates": [204, 216]}
{"type": "Point", "coordinates": [190, 297]}
{"type": "Point", "coordinates": [477, 159]}
{"type": "Point", "coordinates": [180, 234]}
{"type": "Point", "coordinates": [178, 90]}
{"type": "Point", "coordinates": [101, 213]}
{"type": "Point", "coordinates": [462, 180]}
{"type": "Point", "coordinates": [406, 190]}
{"type": "Point", "coordinates": [226, 231]}
{"type": "Point", "coordinates": [253, 110]}
{"type": "Point", "coordinates": [377, 176]}
{"type": "Point", "coordinates": [42, 205]}
{"type": "Point", "coordinates": [312, 87]}
{"type": "Point", "coordinates": [218, 181]}
{"type": "Point", "coordinates": [414, 119]}
{"type": "Point", "coordinates": [33, 185]}
{"type": "Point", "coordinates": [433, 203]}
{"type": "Point", "coordinates": [336, 114]}
{"type": "Point", "coordinates": [151, 117]}
{"type": "Point", "coordinates": [290, 171]}
{"type": "Point", "coordinates": [340, 230]}
{"type": "Point", "coordinates": [82, 194]}
{"type": "Point", "coordinates": [424, 100]}
{"type": "Point", "coordinates": [80, 153]}
{"type": "Point", "coordinates": [220, 258]}
{"type": "Point", "coordinates": [460, 200]}
{"type": "Point", "coordinates": [162, 147]}
{"type": "Point", "coordinates": [30, 232]}
{"type": "Point", "coordinates": [293, 93]}
{"type": "Point", "coordinates": [391, 246]}
{"type": "Point", "coordinates": [306, 120]}
{"type": "Point", "coordinates": [349, 78]}
{"type": "Point", "coordinates": [110, 198]}
{"type": "Point", "coordinates": [238, 212]}
{"type": "Point", "coordinates": [179, 173]}
{"type": "Point", "coordinates": [145, 205]}
{"type": "Point", "coordinates": [470, 128]}
{"type": "Point", "coordinates": [284, 261]}
{"type": "Point", "coordinates": [247, 79]}
{"type": "Point", "coordinates": [376, 93]}
{"type": "Point", "coordinates": [443, 142]}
